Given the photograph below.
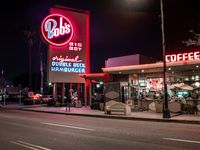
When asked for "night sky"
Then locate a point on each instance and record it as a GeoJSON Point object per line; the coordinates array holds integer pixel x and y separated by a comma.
{"type": "Point", "coordinates": [118, 27]}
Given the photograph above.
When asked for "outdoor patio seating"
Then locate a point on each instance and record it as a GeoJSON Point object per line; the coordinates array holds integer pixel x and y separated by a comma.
{"type": "Point", "coordinates": [114, 106]}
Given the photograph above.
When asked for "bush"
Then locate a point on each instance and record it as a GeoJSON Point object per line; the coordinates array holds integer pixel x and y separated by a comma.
{"type": "Point", "coordinates": [188, 108]}
{"type": "Point", "coordinates": [51, 102]}
{"type": "Point", "coordinates": [95, 105]}
{"type": "Point", "coordinates": [28, 101]}
{"type": "Point", "coordinates": [57, 104]}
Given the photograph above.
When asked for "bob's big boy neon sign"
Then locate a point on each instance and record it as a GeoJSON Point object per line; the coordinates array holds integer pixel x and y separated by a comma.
{"type": "Point", "coordinates": [183, 57]}
{"type": "Point", "coordinates": [57, 30]}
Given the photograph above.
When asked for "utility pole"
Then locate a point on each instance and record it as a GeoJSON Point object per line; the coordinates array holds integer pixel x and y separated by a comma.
{"type": "Point", "coordinates": [166, 112]}
{"type": "Point", "coordinates": [41, 69]}
{"type": "Point", "coordinates": [20, 93]}
{"type": "Point", "coordinates": [30, 68]}
{"type": "Point", "coordinates": [29, 37]}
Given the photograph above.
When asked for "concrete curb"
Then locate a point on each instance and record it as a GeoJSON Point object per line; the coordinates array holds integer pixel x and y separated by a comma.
{"type": "Point", "coordinates": [117, 117]}
{"type": "Point", "coordinates": [19, 107]}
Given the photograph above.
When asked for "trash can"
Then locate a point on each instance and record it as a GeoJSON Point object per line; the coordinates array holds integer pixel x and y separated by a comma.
{"type": "Point", "coordinates": [101, 106]}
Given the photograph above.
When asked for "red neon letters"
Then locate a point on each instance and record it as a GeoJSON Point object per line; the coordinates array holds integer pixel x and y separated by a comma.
{"type": "Point", "coordinates": [183, 57]}
{"type": "Point", "coordinates": [57, 30]}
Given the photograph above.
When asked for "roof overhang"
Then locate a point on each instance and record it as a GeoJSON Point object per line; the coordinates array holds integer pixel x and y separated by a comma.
{"type": "Point", "coordinates": [153, 68]}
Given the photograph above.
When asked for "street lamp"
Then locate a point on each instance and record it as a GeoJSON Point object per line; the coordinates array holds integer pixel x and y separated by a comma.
{"type": "Point", "coordinates": [166, 112]}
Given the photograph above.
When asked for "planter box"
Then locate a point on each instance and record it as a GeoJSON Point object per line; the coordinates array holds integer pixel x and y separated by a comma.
{"type": "Point", "coordinates": [156, 107]}
{"type": "Point", "coordinates": [174, 107]}
{"type": "Point", "coordinates": [78, 104]}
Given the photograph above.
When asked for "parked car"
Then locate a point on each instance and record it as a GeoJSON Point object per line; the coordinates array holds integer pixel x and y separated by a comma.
{"type": "Point", "coordinates": [35, 99]}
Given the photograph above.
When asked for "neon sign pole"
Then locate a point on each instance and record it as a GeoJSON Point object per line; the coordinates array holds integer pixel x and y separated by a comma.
{"type": "Point", "coordinates": [166, 112]}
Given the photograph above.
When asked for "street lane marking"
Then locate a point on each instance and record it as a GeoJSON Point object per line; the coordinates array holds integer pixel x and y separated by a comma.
{"type": "Point", "coordinates": [181, 140]}
{"type": "Point", "coordinates": [67, 126]}
{"type": "Point", "coordinates": [29, 145]}
{"type": "Point", "coordinates": [24, 145]}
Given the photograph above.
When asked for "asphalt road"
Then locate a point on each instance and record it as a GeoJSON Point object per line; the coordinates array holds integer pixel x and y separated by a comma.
{"type": "Point", "coordinates": [22, 130]}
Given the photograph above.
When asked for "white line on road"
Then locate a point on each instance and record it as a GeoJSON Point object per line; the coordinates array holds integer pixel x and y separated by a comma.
{"type": "Point", "coordinates": [67, 126]}
{"type": "Point", "coordinates": [29, 145]}
{"type": "Point", "coordinates": [181, 140]}
{"type": "Point", "coordinates": [16, 143]}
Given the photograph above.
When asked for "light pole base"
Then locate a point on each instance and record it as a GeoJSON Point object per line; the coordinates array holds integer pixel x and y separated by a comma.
{"type": "Point", "coordinates": [166, 113]}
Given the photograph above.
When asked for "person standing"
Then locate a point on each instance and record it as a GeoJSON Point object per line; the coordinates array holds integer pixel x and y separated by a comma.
{"type": "Point", "coordinates": [69, 99]}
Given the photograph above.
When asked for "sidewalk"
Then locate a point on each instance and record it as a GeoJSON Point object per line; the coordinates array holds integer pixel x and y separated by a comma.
{"type": "Point", "coordinates": [86, 111]}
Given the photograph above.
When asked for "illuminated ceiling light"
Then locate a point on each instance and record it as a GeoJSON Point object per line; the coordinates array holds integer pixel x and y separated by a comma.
{"type": "Point", "coordinates": [98, 85]}
{"type": "Point", "coordinates": [142, 70]}
{"type": "Point", "coordinates": [101, 82]}
{"type": "Point", "coordinates": [197, 84]}
{"type": "Point", "coordinates": [196, 77]}
{"type": "Point", "coordinates": [120, 72]}
{"type": "Point", "coordinates": [197, 66]}
{"type": "Point", "coordinates": [169, 68]}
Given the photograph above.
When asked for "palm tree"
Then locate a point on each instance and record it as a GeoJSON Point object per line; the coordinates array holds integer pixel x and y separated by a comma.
{"type": "Point", "coordinates": [2, 80]}
{"type": "Point", "coordinates": [29, 36]}
{"type": "Point", "coordinates": [194, 40]}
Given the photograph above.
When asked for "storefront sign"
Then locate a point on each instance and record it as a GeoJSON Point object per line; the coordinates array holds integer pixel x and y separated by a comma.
{"type": "Point", "coordinates": [57, 30]}
{"type": "Point", "coordinates": [183, 57]}
{"type": "Point", "coordinates": [67, 32]}
{"type": "Point", "coordinates": [60, 64]}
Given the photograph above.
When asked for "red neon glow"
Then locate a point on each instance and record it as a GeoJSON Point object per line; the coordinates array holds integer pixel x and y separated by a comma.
{"type": "Point", "coordinates": [66, 59]}
{"type": "Point", "coordinates": [153, 82]}
{"type": "Point", "coordinates": [57, 30]}
{"type": "Point", "coordinates": [88, 45]}
{"type": "Point", "coordinates": [183, 57]}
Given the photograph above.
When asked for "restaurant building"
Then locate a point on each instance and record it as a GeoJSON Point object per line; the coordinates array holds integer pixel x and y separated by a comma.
{"type": "Point", "coordinates": [132, 77]}
{"type": "Point", "coordinates": [136, 77]}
